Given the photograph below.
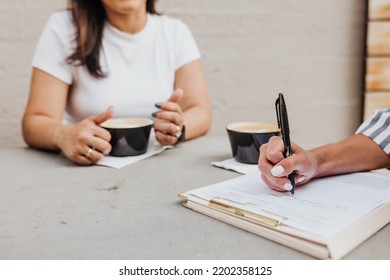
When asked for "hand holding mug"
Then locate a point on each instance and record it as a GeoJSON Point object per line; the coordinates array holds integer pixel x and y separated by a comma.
{"type": "Point", "coordinates": [169, 121]}
{"type": "Point", "coordinates": [85, 142]}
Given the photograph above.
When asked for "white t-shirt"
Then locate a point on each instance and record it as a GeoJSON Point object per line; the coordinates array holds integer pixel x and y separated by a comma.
{"type": "Point", "coordinates": [140, 67]}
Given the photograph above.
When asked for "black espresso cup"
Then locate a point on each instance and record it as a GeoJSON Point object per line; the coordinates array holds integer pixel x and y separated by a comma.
{"type": "Point", "coordinates": [247, 137]}
{"type": "Point", "coordinates": [129, 136]}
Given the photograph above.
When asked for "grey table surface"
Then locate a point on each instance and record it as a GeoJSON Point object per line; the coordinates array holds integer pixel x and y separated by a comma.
{"type": "Point", "coordinates": [51, 208]}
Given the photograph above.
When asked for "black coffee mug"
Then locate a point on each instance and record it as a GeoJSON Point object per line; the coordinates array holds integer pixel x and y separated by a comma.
{"type": "Point", "coordinates": [129, 136]}
{"type": "Point", "coordinates": [247, 137]}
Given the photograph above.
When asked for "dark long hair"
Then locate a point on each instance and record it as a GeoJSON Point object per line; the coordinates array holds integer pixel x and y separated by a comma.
{"type": "Point", "coordinates": [89, 17]}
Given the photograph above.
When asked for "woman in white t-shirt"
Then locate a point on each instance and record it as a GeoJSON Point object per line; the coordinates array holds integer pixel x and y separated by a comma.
{"type": "Point", "coordinates": [113, 58]}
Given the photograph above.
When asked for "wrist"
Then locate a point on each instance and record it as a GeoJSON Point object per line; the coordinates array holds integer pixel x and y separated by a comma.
{"type": "Point", "coordinates": [321, 162]}
{"type": "Point", "coordinates": [58, 135]}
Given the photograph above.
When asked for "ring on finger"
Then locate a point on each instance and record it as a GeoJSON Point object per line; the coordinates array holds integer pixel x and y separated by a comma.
{"type": "Point", "coordinates": [89, 152]}
{"type": "Point", "coordinates": [178, 132]}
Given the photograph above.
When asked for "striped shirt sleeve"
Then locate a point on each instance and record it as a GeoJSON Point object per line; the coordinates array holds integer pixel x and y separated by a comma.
{"type": "Point", "coordinates": [377, 127]}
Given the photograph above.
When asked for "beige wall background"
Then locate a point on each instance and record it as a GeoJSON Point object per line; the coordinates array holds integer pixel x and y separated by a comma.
{"type": "Point", "coordinates": [312, 51]}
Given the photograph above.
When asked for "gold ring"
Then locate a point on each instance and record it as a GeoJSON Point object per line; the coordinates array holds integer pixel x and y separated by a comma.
{"type": "Point", "coordinates": [178, 132]}
{"type": "Point", "coordinates": [89, 152]}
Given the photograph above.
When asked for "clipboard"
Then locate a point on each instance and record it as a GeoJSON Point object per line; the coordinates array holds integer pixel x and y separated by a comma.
{"type": "Point", "coordinates": [273, 228]}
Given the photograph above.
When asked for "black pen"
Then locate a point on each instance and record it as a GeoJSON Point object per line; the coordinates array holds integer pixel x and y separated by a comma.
{"type": "Point", "coordinates": [281, 114]}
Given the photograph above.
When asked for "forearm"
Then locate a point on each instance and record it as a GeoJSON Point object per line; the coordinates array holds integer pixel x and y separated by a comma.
{"type": "Point", "coordinates": [41, 132]}
{"type": "Point", "coordinates": [357, 153]}
{"type": "Point", "coordinates": [197, 121]}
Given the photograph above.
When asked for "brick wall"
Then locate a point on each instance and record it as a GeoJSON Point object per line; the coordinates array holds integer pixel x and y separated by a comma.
{"type": "Point", "coordinates": [377, 90]}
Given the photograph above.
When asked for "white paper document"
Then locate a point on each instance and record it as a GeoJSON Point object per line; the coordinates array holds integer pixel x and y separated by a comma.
{"type": "Point", "coordinates": [322, 207]}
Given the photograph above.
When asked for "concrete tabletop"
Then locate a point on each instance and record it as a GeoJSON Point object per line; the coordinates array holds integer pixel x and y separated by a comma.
{"type": "Point", "coordinates": [51, 208]}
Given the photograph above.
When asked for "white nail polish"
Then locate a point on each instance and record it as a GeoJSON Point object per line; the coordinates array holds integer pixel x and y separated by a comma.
{"type": "Point", "coordinates": [277, 170]}
{"type": "Point", "coordinates": [301, 179]}
{"type": "Point", "coordinates": [287, 187]}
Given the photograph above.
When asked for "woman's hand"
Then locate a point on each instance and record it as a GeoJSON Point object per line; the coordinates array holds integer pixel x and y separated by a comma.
{"type": "Point", "coordinates": [169, 121]}
{"type": "Point", "coordinates": [85, 142]}
{"type": "Point", "coordinates": [275, 168]}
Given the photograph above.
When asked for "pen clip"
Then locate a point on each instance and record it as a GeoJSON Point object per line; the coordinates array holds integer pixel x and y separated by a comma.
{"type": "Point", "coordinates": [282, 118]}
{"type": "Point", "coordinates": [281, 115]}
{"type": "Point", "coordinates": [277, 107]}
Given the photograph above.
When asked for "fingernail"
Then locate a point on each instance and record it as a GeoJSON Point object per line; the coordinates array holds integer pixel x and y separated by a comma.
{"type": "Point", "coordinates": [277, 170]}
{"type": "Point", "coordinates": [301, 179]}
{"type": "Point", "coordinates": [154, 114]}
{"type": "Point", "coordinates": [287, 187]}
{"type": "Point", "coordinates": [110, 108]}
{"type": "Point", "coordinates": [158, 104]}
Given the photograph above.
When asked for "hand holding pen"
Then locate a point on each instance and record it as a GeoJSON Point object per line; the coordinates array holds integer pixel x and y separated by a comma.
{"type": "Point", "coordinates": [283, 164]}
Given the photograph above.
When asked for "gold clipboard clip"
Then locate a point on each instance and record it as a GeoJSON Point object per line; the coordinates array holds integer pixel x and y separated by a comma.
{"type": "Point", "coordinates": [259, 219]}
